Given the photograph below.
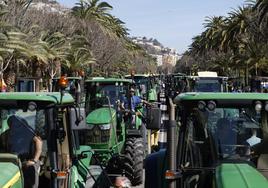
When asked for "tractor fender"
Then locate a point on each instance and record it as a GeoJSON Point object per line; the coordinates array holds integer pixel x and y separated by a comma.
{"type": "Point", "coordinates": [11, 175]}
{"type": "Point", "coordinates": [232, 175]}
{"type": "Point", "coordinates": [155, 166]}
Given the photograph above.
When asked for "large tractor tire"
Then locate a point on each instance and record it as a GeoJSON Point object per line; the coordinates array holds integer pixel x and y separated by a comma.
{"type": "Point", "coordinates": [120, 164]}
{"type": "Point", "coordinates": [134, 149]}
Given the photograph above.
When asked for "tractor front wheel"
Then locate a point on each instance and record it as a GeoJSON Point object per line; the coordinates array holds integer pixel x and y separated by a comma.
{"type": "Point", "coordinates": [134, 149]}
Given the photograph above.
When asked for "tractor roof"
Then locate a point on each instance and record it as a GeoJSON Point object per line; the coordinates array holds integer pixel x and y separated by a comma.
{"type": "Point", "coordinates": [178, 74]}
{"type": "Point", "coordinates": [69, 78]}
{"type": "Point", "coordinates": [230, 97]}
{"type": "Point", "coordinates": [207, 74]}
{"type": "Point", "coordinates": [138, 75]}
{"type": "Point", "coordinates": [208, 78]}
{"type": "Point", "coordinates": [51, 97]}
{"type": "Point", "coordinates": [108, 80]}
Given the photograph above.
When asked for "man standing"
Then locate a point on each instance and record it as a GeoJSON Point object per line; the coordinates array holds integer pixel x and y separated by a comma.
{"type": "Point", "coordinates": [136, 100]}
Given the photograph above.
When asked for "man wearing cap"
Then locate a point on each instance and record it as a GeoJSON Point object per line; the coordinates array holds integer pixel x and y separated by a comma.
{"type": "Point", "coordinates": [130, 104]}
{"type": "Point", "coordinates": [136, 100]}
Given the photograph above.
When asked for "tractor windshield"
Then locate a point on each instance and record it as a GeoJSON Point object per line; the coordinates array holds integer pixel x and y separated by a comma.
{"type": "Point", "coordinates": [143, 83]}
{"type": "Point", "coordinates": [104, 94]}
{"type": "Point", "coordinates": [234, 131]}
{"type": "Point", "coordinates": [207, 86]}
{"type": "Point", "coordinates": [17, 129]}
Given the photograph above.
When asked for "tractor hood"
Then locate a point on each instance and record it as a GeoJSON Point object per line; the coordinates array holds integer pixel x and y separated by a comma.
{"type": "Point", "coordinates": [100, 116]}
{"type": "Point", "coordinates": [239, 175]}
{"type": "Point", "coordinates": [10, 176]}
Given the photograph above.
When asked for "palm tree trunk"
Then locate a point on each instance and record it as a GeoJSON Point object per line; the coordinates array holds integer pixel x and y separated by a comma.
{"type": "Point", "coordinates": [246, 76]}
{"type": "Point", "coordinates": [256, 69]}
{"type": "Point", "coordinates": [50, 84]}
{"type": "Point", "coordinates": [1, 70]}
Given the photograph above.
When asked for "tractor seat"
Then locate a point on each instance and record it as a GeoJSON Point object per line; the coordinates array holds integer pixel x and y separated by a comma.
{"type": "Point", "coordinates": [8, 157]}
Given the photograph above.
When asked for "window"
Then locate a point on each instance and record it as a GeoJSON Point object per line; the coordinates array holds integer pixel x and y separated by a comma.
{"type": "Point", "coordinates": [18, 127]}
{"type": "Point", "coordinates": [234, 131]}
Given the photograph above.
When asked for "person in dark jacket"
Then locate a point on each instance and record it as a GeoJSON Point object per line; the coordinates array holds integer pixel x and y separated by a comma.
{"type": "Point", "coordinates": [24, 142]}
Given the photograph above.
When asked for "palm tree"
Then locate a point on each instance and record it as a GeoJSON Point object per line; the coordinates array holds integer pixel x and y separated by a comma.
{"type": "Point", "coordinates": [91, 9]}
{"type": "Point", "coordinates": [199, 44]}
{"type": "Point", "coordinates": [78, 56]}
{"type": "Point", "coordinates": [96, 11]}
{"type": "Point", "coordinates": [261, 7]}
{"type": "Point", "coordinates": [236, 27]}
{"type": "Point", "coordinates": [14, 52]}
{"type": "Point", "coordinates": [50, 50]}
{"type": "Point", "coordinates": [116, 26]}
{"type": "Point", "coordinates": [214, 31]}
{"type": "Point", "coordinates": [237, 42]}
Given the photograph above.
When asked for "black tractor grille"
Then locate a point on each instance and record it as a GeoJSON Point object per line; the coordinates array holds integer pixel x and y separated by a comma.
{"type": "Point", "coordinates": [96, 135]}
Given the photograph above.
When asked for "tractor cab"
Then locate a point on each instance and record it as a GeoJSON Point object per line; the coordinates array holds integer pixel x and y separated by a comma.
{"type": "Point", "coordinates": [219, 140]}
{"type": "Point", "coordinates": [53, 117]}
{"type": "Point", "coordinates": [147, 85]}
{"type": "Point", "coordinates": [208, 82]}
{"type": "Point", "coordinates": [259, 84]}
{"type": "Point", "coordinates": [176, 83]}
{"type": "Point", "coordinates": [102, 92]}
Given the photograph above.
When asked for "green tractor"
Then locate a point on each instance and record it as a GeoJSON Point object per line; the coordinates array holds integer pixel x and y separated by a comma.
{"type": "Point", "coordinates": [215, 140]}
{"type": "Point", "coordinates": [116, 139]}
{"type": "Point", "coordinates": [53, 117]}
{"type": "Point", "coordinates": [176, 83]}
{"type": "Point", "coordinates": [149, 88]}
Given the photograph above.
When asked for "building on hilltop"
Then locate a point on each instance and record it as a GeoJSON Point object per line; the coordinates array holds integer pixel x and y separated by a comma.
{"type": "Point", "coordinates": [164, 56]}
{"type": "Point", "coordinates": [159, 59]}
{"type": "Point", "coordinates": [49, 6]}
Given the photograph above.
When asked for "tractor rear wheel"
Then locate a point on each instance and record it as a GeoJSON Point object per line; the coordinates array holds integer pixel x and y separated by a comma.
{"type": "Point", "coordinates": [134, 149]}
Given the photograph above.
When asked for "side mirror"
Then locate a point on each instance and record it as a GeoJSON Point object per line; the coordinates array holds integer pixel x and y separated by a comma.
{"type": "Point", "coordinates": [154, 118]}
{"type": "Point", "coordinates": [78, 119]}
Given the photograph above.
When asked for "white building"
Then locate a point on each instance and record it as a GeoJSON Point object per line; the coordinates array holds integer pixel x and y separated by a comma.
{"type": "Point", "coordinates": [159, 59]}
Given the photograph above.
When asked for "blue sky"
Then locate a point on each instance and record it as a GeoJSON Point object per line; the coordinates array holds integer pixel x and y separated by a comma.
{"type": "Point", "coordinates": [173, 23]}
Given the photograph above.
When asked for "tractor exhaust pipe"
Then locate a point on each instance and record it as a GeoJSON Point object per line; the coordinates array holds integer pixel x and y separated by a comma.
{"type": "Point", "coordinates": [171, 147]}
{"type": "Point", "coordinates": [162, 138]}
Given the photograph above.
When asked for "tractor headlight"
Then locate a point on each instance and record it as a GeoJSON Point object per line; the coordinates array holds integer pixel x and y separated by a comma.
{"type": "Point", "coordinates": [105, 126]}
{"type": "Point", "coordinates": [98, 133]}
{"type": "Point", "coordinates": [266, 106]}
{"type": "Point", "coordinates": [258, 106]}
